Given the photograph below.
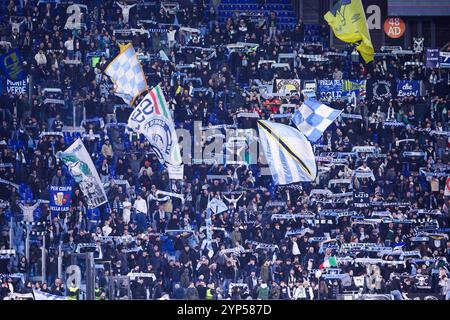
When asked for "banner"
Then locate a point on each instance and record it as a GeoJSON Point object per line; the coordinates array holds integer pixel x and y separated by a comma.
{"type": "Point", "coordinates": [82, 169]}
{"type": "Point", "coordinates": [288, 85]}
{"type": "Point", "coordinates": [361, 200]}
{"type": "Point", "coordinates": [444, 59]}
{"type": "Point", "coordinates": [331, 88]}
{"type": "Point", "coordinates": [11, 66]}
{"type": "Point", "coordinates": [422, 296]}
{"type": "Point", "coordinates": [355, 88]}
{"type": "Point", "coordinates": [40, 295]}
{"type": "Point", "coordinates": [432, 58]}
{"type": "Point", "coordinates": [380, 89]}
{"type": "Point", "coordinates": [152, 118]}
{"type": "Point", "coordinates": [422, 281]}
{"type": "Point", "coordinates": [60, 198]}
{"type": "Point", "coordinates": [17, 87]}
{"type": "Point", "coordinates": [407, 88]}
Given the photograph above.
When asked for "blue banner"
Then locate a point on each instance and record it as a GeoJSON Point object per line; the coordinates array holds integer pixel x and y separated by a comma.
{"type": "Point", "coordinates": [11, 65]}
{"type": "Point", "coordinates": [432, 58]}
{"type": "Point", "coordinates": [354, 87]}
{"type": "Point", "coordinates": [406, 88]}
{"type": "Point", "coordinates": [17, 87]}
{"type": "Point", "coordinates": [444, 59]}
{"type": "Point", "coordinates": [329, 87]}
{"type": "Point", "coordinates": [341, 88]}
{"type": "Point", "coordinates": [60, 197]}
{"type": "Point", "coordinates": [381, 89]}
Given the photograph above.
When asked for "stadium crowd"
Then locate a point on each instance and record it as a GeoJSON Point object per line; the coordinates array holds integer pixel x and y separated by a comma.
{"type": "Point", "coordinates": [272, 258]}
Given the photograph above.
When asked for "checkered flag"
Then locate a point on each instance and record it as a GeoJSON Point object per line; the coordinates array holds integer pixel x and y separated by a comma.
{"type": "Point", "coordinates": [126, 73]}
{"type": "Point", "coordinates": [313, 118]}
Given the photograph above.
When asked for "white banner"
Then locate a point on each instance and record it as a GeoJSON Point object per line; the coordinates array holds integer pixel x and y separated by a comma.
{"type": "Point", "coordinates": [82, 169]}
{"type": "Point", "coordinates": [39, 295]}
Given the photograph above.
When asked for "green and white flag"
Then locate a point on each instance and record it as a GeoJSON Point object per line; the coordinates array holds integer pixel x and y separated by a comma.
{"type": "Point", "coordinates": [330, 262]}
{"type": "Point", "coordinates": [152, 118]}
{"type": "Point", "coordinates": [82, 169]}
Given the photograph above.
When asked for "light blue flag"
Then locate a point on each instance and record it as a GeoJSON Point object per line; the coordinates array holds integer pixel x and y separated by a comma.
{"type": "Point", "coordinates": [126, 73]}
{"type": "Point", "coordinates": [289, 154]}
{"type": "Point", "coordinates": [313, 118]}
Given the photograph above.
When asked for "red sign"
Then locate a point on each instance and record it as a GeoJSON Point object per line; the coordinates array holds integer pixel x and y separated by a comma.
{"type": "Point", "coordinates": [394, 27]}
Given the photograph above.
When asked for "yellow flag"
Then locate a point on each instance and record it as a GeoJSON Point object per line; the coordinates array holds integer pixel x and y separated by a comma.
{"type": "Point", "coordinates": [348, 21]}
{"type": "Point", "coordinates": [123, 47]}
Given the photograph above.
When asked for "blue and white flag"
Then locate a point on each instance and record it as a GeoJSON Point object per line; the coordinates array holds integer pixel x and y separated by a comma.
{"type": "Point", "coordinates": [406, 88]}
{"type": "Point", "coordinates": [313, 118]}
{"type": "Point", "coordinates": [217, 206]}
{"type": "Point", "coordinates": [126, 73]}
{"type": "Point", "coordinates": [40, 295]}
{"type": "Point", "coordinates": [444, 59]}
{"type": "Point", "coordinates": [289, 154]}
{"type": "Point", "coordinates": [153, 119]}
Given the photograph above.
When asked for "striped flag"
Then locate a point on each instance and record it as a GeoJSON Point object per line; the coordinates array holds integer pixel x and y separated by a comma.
{"type": "Point", "coordinates": [152, 118]}
{"type": "Point", "coordinates": [313, 118]}
{"type": "Point", "coordinates": [288, 153]}
{"type": "Point", "coordinates": [126, 73]}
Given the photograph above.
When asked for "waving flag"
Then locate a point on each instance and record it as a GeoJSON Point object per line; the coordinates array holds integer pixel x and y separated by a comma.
{"type": "Point", "coordinates": [40, 295]}
{"type": "Point", "coordinates": [288, 153]}
{"type": "Point", "coordinates": [11, 65]}
{"type": "Point", "coordinates": [348, 21]}
{"type": "Point", "coordinates": [82, 169]}
{"type": "Point", "coordinates": [152, 118]}
{"type": "Point", "coordinates": [328, 263]}
{"type": "Point", "coordinates": [126, 73]}
{"type": "Point", "coordinates": [313, 118]}
{"type": "Point", "coordinates": [217, 206]}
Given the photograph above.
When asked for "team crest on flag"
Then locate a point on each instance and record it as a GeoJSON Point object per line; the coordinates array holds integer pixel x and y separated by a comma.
{"type": "Point", "coordinates": [126, 73]}
{"type": "Point", "coordinates": [152, 118]}
{"type": "Point", "coordinates": [348, 21]}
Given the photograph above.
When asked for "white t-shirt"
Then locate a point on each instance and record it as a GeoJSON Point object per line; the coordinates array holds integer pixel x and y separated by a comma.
{"type": "Point", "coordinates": [106, 230]}
{"type": "Point", "coordinates": [295, 249]}
{"type": "Point", "coordinates": [141, 205]}
{"type": "Point", "coordinates": [171, 35]}
{"type": "Point", "coordinates": [126, 211]}
{"type": "Point", "coordinates": [69, 45]}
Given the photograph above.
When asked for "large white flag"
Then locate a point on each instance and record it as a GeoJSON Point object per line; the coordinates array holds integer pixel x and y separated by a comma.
{"type": "Point", "coordinates": [289, 154]}
{"type": "Point", "coordinates": [217, 206]}
{"type": "Point", "coordinates": [40, 295]}
{"type": "Point", "coordinates": [82, 169]}
{"type": "Point", "coordinates": [152, 118]}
